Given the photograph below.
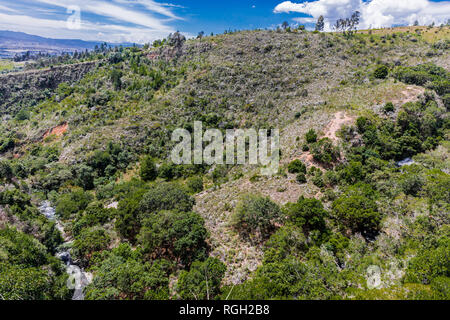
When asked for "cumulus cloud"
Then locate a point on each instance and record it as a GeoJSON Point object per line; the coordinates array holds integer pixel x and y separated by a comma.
{"type": "Point", "coordinates": [374, 13]}
{"type": "Point", "coordinates": [304, 20]}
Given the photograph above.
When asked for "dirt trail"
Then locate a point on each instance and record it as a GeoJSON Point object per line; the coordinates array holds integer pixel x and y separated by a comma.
{"type": "Point", "coordinates": [340, 119]}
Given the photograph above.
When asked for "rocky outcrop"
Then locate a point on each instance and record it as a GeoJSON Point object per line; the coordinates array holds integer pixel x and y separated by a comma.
{"type": "Point", "coordinates": [25, 89]}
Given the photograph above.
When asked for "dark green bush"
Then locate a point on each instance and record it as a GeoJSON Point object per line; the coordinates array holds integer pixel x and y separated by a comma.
{"type": "Point", "coordinates": [178, 236]}
{"type": "Point", "coordinates": [148, 169]}
{"type": "Point", "coordinates": [357, 210]}
{"type": "Point", "coordinates": [202, 281]}
{"type": "Point", "coordinates": [122, 274]}
{"type": "Point", "coordinates": [89, 241]}
{"type": "Point", "coordinates": [307, 214]}
{"type": "Point", "coordinates": [166, 196]}
{"type": "Point", "coordinates": [311, 136]}
{"type": "Point", "coordinates": [6, 172]}
{"type": "Point", "coordinates": [301, 178]}
{"type": "Point", "coordinates": [195, 184]}
{"type": "Point", "coordinates": [325, 152]}
{"type": "Point", "coordinates": [381, 72]}
{"type": "Point", "coordinates": [255, 216]}
{"type": "Point", "coordinates": [71, 203]}
{"type": "Point", "coordinates": [297, 166]}
{"type": "Point", "coordinates": [389, 107]}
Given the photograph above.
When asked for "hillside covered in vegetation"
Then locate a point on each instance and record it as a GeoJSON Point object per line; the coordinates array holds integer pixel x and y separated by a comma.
{"type": "Point", "coordinates": [364, 179]}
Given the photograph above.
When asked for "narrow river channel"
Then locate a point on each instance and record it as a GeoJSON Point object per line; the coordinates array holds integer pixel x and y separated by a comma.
{"type": "Point", "coordinates": [79, 279]}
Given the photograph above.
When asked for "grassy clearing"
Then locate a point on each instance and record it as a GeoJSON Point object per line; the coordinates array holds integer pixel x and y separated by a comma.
{"type": "Point", "coordinates": [6, 65]}
{"type": "Point", "coordinates": [430, 35]}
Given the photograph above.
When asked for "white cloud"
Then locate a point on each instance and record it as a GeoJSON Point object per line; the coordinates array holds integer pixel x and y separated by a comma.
{"type": "Point", "coordinates": [305, 20]}
{"type": "Point", "coordinates": [121, 20]}
{"type": "Point", "coordinates": [89, 31]}
{"type": "Point", "coordinates": [375, 13]}
{"type": "Point", "coordinates": [106, 9]}
{"type": "Point", "coordinates": [151, 5]}
{"type": "Point", "coordinates": [4, 8]}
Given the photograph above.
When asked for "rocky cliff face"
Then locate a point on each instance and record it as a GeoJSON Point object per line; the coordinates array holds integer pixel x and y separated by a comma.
{"type": "Point", "coordinates": [25, 89]}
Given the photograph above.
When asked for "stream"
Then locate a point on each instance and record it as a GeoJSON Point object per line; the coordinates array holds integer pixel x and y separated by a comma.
{"type": "Point", "coordinates": [78, 278]}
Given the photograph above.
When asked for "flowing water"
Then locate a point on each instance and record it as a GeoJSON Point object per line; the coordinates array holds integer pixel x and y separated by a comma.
{"type": "Point", "coordinates": [78, 278]}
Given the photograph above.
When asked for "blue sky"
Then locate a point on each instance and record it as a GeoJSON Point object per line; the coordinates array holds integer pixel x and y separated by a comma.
{"type": "Point", "coordinates": [146, 20]}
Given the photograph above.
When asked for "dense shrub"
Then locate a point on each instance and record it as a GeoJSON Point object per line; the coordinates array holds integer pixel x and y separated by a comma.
{"type": "Point", "coordinates": [357, 210]}
{"type": "Point", "coordinates": [195, 184]}
{"type": "Point", "coordinates": [432, 260]}
{"type": "Point", "coordinates": [381, 72]}
{"type": "Point", "coordinates": [325, 152]}
{"type": "Point", "coordinates": [6, 172]}
{"type": "Point", "coordinates": [27, 270]}
{"type": "Point", "coordinates": [289, 240]}
{"type": "Point", "coordinates": [297, 166]}
{"type": "Point", "coordinates": [317, 278]}
{"type": "Point", "coordinates": [420, 74]}
{"type": "Point", "coordinates": [6, 144]}
{"type": "Point", "coordinates": [175, 235]}
{"type": "Point", "coordinates": [446, 100]}
{"type": "Point", "coordinates": [21, 249]}
{"type": "Point", "coordinates": [311, 136]}
{"type": "Point", "coordinates": [148, 169]}
{"type": "Point", "coordinates": [89, 241]}
{"type": "Point", "coordinates": [307, 214]}
{"type": "Point", "coordinates": [202, 281]}
{"type": "Point", "coordinates": [166, 196]}
{"type": "Point", "coordinates": [352, 172]}
{"type": "Point", "coordinates": [301, 178]}
{"type": "Point", "coordinates": [95, 214]}
{"type": "Point", "coordinates": [71, 203]}
{"type": "Point", "coordinates": [122, 274]}
{"type": "Point", "coordinates": [128, 218]}
{"type": "Point", "coordinates": [116, 79]}
{"type": "Point", "coordinates": [255, 216]}
{"type": "Point", "coordinates": [389, 107]}
{"type": "Point", "coordinates": [85, 176]}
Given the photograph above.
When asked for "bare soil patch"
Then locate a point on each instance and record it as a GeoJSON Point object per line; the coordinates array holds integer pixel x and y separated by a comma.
{"type": "Point", "coordinates": [57, 131]}
{"type": "Point", "coordinates": [410, 94]}
{"type": "Point", "coordinates": [340, 119]}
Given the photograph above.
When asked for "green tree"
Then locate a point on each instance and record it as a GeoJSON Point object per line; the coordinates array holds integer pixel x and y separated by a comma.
{"type": "Point", "coordinates": [90, 241]}
{"type": "Point", "coordinates": [195, 184]}
{"type": "Point", "coordinates": [202, 281]}
{"type": "Point", "coordinates": [123, 275]}
{"type": "Point", "coordinates": [166, 196]}
{"type": "Point", "coordinates": [71, 203]}
{"type": "Point", "coordinates": [116, 79]}
{"type": "Point", "coordinates": [148, 169]}
{"type": "Point", "coordinates": [381, 72]}
{"type": "Point", "coordinates": [297, 166]}
{"type": "Point", "coordinates": [6, 172]}
{"type": "Point", "coordinates": [320, 24]}
{"type": "Point", "coordinates": [128, 221]}
{"type": "Point", "coordinates": [255, 216]}
{"type": "Point", "coordinates": [325, 152]}
{"type": "Point", "coordinates": [307, 214]}
{"type": "Point", "coordinates": [311, 136]}
{"type": "Point", "coordinates": [357, 210]}
{"type": "Point", "coordinates": [180, 236]}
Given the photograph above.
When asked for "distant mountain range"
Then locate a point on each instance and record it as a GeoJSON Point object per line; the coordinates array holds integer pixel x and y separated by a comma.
{"type": "Point", "coordinates": [14, 43]}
